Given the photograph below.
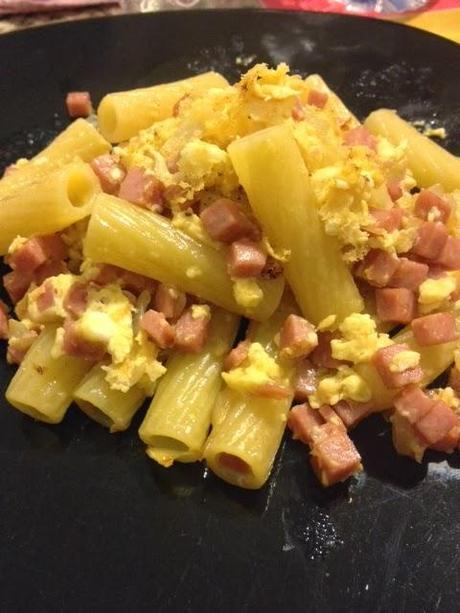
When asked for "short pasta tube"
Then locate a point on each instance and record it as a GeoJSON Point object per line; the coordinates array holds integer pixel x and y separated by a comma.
{"type": "Point", "coordinates": [43, 386]}
{"type": "Point", "coordinates": [177, 422]}
{"type": "Point", "coordinates": [122, 115]}
{"type": "Point", "coordinates": [271, 170]}
{"type": "Point", "coordinates": [138, 240]}
{"type": "Point", "coordinates": [111, 408]}
{"type": "Point", "coordinates": [434, 360]}
{"type": "Point", "coordinates": [49, 204]}
{"type": "Point", "coordinates": [247, 429]}
{"type": "Point", "coordinates": [79, 140]}
{"type": "Point", "coordinates": [430, 163]}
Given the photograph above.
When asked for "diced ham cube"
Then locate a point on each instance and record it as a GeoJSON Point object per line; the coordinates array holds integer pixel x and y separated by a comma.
{"type": "Point", "coordinates": [395, 304]}
{"type": "Point", "coordinates": [16, 285]}
{"type": "Point", "coordinates": [27, 258]}
{"type": "Point", "coordinates": [335, 457]}
{"type": "Point", "coordinates": [142, 189]}
{"type": "Point", "coordinates": [78, 104]}
{"type": "Point", "coordinates": [383, 359]}
{"type": "Point", "coordinates": [409, 274]}
{"type": "Point", "coordinates": [298, 111]}
{"type": "Point", "coordinates": [191, 332]}
{"type": "Point", "coordinates": [109, 172]}
{"type": "Point", "coordinates": [54, 247]}
{"type": "Point", "coordinates": [245, 259]}
{"type": "Point", "coordinates": [50, 268]}
{"type": "Point", "coordinates": [434, 329]}
{"type": "Point", "coordinates": [450, 441]}
{"type": "Point", "coordinates": [305, 381]}
{"type": "Point", "coordinates": [170, 301]}
{"type": "Point", "coordinates": [431, 239]}
{"type": "Point", "coordinates": [159, 330]}
{"type": "Point", "coordinates": [351, 413]}
{"type": "Point", "coordinates": [394, 190]}
{"type": "Point", "coordinates": [317, 98]}
{"type": "Point", "coordinates": [76, 345]}
{"type": "Point", "coordinates": [412, 403]}
{"type": "Point", "coordinates": [360, 136]}
{"type": "Point", "coordinates": [224, 220]}
{"type": "Point", "coordinates": [297, 337]}
{"type": "Point", "coordinates": [430, 206]}
{"type": "Point", "coordinates": [76, 299]}
{"type": "Point", "coordinates": [321, 356]}
{"type": "Point", "coordinates": [237, 355]}
{"type": "Point", "coordinates": [377, 268]}
{"type": "Point", "coordinates": [386, 219]}
{"type": "Point", "coordinates": [436, 423]}
{"type": "Point", "coordinates": [3, 324]}
{"type": "Point", "coordinates": [302, 421]}
{"type": "Point", "coordinates": [450, 255]}
{"type": "Point", "coordinates": [46, 298]}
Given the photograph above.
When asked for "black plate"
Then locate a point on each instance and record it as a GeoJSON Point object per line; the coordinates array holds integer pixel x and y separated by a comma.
{"type": "Point", "coordinates": [87, 522]}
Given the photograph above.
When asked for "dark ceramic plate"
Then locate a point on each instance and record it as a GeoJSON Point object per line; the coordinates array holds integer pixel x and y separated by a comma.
{"type": "Point", "coordinates": [87, 522]}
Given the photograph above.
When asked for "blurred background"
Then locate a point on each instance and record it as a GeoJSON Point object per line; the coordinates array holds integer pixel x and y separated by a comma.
{"type": "Point", "coordinates": [441, 17]}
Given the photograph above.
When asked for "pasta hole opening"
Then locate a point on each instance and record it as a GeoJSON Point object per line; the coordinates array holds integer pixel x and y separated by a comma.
{"type": "Point", "coordinates": [94, 413]}
{"type": "Point", "coordinates": [234, 463]}
{"type": "Point", "coordinates": [168, 445]}
{"type": "Point", "coordinates": [80, 188]}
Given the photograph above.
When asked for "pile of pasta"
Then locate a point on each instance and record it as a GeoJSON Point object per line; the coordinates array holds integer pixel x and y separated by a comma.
{"type": "Point", "coordinates": [228, 251]}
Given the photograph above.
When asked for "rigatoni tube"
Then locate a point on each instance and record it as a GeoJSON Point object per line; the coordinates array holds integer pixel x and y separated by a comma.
{"type": "Point", "coordinates": [48, 204]}
{"type": "Point", "coordinates": [111, 408]}
{"type": "Point", "coordinates": [430, 163]}
{"type": "Point", "coordinates": [125, 235]}
{"type": "Point", "coordinates": [79, 140]}
{"type": "Point", "coordinates": [43, 386]}
{"type": "Point", "coordinates": [271, 170]}
{"type": "Point", "coordinates": [247, 429]}
{"type": "Point", "coordinates": [122, 114]}
{"type": "Point", "coordinates": [178, 420]}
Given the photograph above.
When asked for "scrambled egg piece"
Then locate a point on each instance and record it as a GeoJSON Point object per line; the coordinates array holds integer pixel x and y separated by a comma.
{"type": "Point", "coordinates": [247, 292]}
{"type": "Point", "coordinates": [447, 395]}
{"type": "Point", "coordinates": [404, 360]}
{"type": "Point", "coordinates": [201, 311]}
{"type": "Point", "coordinates": [271, 84]}
{"type": "Point", "coordinates": [56, 312]}
{"type": "Point", "coordinates": [346, 384]}
{"type": "Point", "coordinates": [140, 367]}
{"type": "Point", "coordinates": [108, 320]}
{"type": "Point", "coordinates": [343, 192]}
{"type": "Point", "coordinates": [433, 293]}
{"type": "Point", "coordinates": [257, 369]}
{"type": "Point", "coordinates": [16, 244]}
{"type": "Point", "coordinates": [360, 339]}
{"type": "Point", "coordinates": [203, 165]}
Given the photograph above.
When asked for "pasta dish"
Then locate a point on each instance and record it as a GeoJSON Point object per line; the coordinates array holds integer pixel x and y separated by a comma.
{"type": "Point", "coordinates": [247, 257]}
